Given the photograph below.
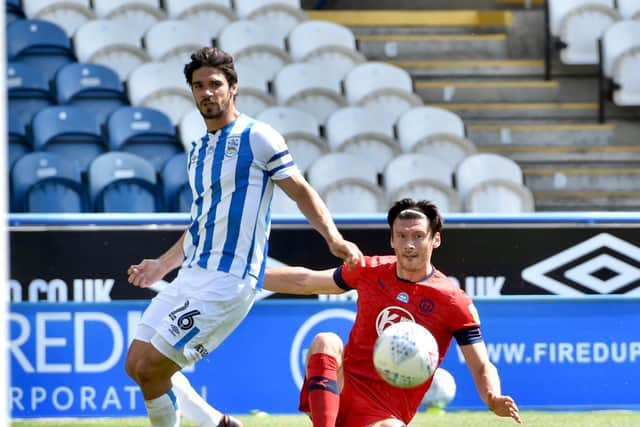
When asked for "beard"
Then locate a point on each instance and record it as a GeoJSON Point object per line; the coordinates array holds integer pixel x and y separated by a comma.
{"type": "Point", "coordinates": [213, 111]}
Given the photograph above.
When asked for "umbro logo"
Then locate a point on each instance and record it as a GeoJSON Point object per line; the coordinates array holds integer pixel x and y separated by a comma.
{"type": "Point", "coordinates": [603, 264]}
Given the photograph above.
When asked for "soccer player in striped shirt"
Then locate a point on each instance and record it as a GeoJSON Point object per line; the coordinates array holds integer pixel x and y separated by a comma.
{"type": "Point", "coordinates": [222, 254]}
{"type": "Point", "coordinates": [342, 387]}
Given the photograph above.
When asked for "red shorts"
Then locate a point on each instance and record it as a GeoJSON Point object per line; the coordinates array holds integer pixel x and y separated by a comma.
{"type": "Point", "coordinates": [357, 408]}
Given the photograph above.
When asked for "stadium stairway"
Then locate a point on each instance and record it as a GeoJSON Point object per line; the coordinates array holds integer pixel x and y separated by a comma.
{"type": "Point", "coordinates": [483, 59]}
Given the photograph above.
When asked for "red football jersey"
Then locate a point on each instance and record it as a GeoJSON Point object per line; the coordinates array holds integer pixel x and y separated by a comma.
{"type": "Point", "coordinates": [383, 299]}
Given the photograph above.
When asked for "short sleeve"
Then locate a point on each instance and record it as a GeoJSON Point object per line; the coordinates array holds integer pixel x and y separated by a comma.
{"type": "Point", "coordinates": [271, 151]}
{"type": "Point", "coordinates": [347, 278]}
{"type": "Point", "coordinates": [463, 312]}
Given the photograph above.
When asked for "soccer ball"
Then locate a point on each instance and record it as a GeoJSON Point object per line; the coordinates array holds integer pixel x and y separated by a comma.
{"type": "Point", "coordinates": [405, 354]}
{"type": "Point", "coordinates": [442, 390]}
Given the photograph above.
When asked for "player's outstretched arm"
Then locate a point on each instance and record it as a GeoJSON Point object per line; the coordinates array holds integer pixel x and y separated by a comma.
{"type": "Point", "coordinates": [150, 271]}
{"type": "Point", "coordinates": [300, 281]}
{"type": "Point", "coordinates": [318, 215]}
{"type": "Point", "coordinates": [485, 375]}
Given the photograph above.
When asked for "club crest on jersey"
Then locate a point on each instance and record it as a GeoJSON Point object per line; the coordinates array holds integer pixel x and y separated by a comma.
{"type": "Point", "coordinates": [426, 305]}
{"type": "Point", "coordinates": [403, 297]}
{"type": "Point", "coordinates": [231, 147]}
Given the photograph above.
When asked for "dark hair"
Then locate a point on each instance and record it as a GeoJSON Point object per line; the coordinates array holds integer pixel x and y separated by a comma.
{"type": "Point", "coordinates": [211, 57]}
{"type": "Point", "coordinates": [411, 209]}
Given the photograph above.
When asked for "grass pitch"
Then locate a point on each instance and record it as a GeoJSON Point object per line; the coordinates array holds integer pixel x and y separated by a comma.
{"type": "Point", "coordinates": [450, 419]}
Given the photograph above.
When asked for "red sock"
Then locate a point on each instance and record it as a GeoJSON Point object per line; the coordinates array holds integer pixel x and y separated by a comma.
{"type": "Point", "coordinates": [324, 396]}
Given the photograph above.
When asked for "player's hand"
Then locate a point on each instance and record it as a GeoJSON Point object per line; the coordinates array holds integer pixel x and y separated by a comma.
{"type": "Point", "coordinates": [146, 273]}
{"type": "Point", "coordinates": [348, 251]}
{"type": "Point", "coordinates": [504, 406]}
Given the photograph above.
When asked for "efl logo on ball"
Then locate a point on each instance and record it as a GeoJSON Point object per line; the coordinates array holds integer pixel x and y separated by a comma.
{"type": "Point", "coordinates": [405, 354]}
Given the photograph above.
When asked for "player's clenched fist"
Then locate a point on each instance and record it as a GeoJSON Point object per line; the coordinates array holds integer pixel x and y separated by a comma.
{"type": "Point", "coordinates": [146, 273]}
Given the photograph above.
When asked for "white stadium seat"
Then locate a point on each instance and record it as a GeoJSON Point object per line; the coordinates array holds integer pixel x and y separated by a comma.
{"type": "Point", "coordinates": [301, 131]}
{"type": "Point", "coordinates": [629, 9]}
{"type": "Point", "coordinates": [253, 90]}
{"type": "Point", "coordinates": [255, 45]}
{"type": "Point", "coordinates": [357, 131]}
{"type": "Point", "coordinates": [311, 88]}
{"type": "Point", "coordinates": [191, 128]}
{"type": "Point", "coordinates": [419, 176]}
{"type": "Point", "coordinates": [161, 86]}
{"type": "Point", "coordinates": [492, 183]}
{"type": "Point", "coordinates": [139, 15]}
{"type": "Point", "coordinates": [281, 204]}
{"type": "Point", "coordinates": [68, 14]}
{"type": "Point", "coordinates": [621, 61]}
{"type": "Point", "coordinates": [325, 42]}
{"type": "Point", "coordinates": [209, 15]}
{"type": "Point", "coordinates": [174, 41]}
{"type": "Point", "coordinates": [578, 24]}
{"type": "Point", "coordinates": [347, 184]}
{"type": "Point", "coordinates": [279, 15]}
{"type": "Point", "coordinates": [109, 43]}
{"type": "Point", "coordinates": [383, 88]}
{"type": "Point", "coordinates": [436, 132]}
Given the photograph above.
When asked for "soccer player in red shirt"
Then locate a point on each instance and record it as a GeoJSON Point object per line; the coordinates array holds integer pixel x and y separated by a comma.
{"type": "Point", "coordinates": [342, 387]}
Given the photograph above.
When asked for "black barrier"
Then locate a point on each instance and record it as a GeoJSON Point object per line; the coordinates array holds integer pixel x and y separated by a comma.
{"type": "Point", "coordinates": [488, 256]}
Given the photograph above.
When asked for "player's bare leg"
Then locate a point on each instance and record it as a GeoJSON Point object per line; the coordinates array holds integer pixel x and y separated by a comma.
{"type": "Point", "coordinates": [322, 380]}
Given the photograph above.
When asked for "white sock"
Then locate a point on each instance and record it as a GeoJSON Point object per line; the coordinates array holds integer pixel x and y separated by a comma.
{"type": "Point", "coordinates": [192, 405]}
{"type": "Point", "coordinates": [163, 410]}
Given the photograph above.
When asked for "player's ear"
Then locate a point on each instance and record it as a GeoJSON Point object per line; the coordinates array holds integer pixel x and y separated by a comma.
{"type": "Point", "coordinates": [437, 240]}
{"type": "Point", "coordinates": [391, 242]}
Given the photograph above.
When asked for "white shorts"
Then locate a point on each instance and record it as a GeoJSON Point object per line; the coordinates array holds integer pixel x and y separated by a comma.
{"type": "Point", "coordinates": [194, 313]}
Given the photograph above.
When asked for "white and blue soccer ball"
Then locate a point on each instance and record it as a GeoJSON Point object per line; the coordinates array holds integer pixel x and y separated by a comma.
{"type": "Point", "coordinates": [442, 390]}
{"type": "Point", "coordinates": [405, 354]}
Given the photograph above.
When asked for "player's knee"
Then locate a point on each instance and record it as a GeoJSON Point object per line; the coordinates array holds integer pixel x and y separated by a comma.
{"type": "Point", "coordinates": [145, 372]}
{"type": "Point", "coordinates": [328, 343]}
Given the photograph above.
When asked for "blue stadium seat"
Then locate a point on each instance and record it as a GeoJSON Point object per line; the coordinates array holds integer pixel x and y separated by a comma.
{"type": "Point", "coordinates": [28, 90]}
{"type": "Point", "coordinates": [46, 182]}
{"type": "Point", "coordinates": [70, 131]}
{"type": "Point", "coordinates": [123, 182]}
{"type": "Point", "coordinates": [94, 87]}
{"type": "Point", "coordinates": [13, 11]}
{"type": "Point", "coordinates": [175, 184]}
{"type": "Point", "coordinates": [18, 143]}
{"type": "Point", "coordinates": [143, 131]}
{"type": "Point", "coordinates": [40, 43]}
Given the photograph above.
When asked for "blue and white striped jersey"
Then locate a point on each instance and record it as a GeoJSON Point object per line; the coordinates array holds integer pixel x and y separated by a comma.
{"type": "Point", "coordinates": [231, 175]}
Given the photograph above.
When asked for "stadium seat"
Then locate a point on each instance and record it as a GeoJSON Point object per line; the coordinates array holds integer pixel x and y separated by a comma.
{"type": "Point", "coordinates": [254, 45]}
{"type": "Point", "coordinates": [123, 182]}
{"type": "Point", "coordinates": [41, 44]}
{"type": "Point", "coordinates": [13, 11]}
{"type": "Point", "coordinates": [174, 41]}
{"type": "Point", "coordinates": [162, 87]}
{"type": "Point", "coordinates": [145, 132]}
{"type": "Point", "coordinates": [18, 142]}
{"type": "Point", "coordinates": [175, 184]}
{"type": "Point", "coordinates": [420, 176]}
{"type": "Point", "coordinates": [311, 88]}
{"type": "Point", "coordinates": [93, 87]}
{"type": "Point", "coordinates": [68, 14]}
{"type": "Point", "coordinates": [301, 131]}
{"type": "Point", "coordinates": [356, 131]}
{"type": "Point", "coordinates": [47, 182]}
{"type": "Point", "coordinates": [279, 15]}
{"type": "Point", "coordinates": [491, 183]}
{"type": "Point", "coordinates": [383, 88]}
{"type": "Point", "coordinates": [347, 184]}
{"type": "Point", "coordinates": [137, 15]}
{"type": "Point", "coordinates": [281, 204]}
{"type": "Point", "coordinates": [28, 90]}
{"type": "Point", "coordinates": [109, 43]}
{"type": "Point", "coordinates": [191, 128]}
{"type": "Point", "coordinates": [253, 95]}
{"type": "Point", "coordinates": [620, 65]}
{"type": "Point", "coordinates": [72, 132]}
{"type": "Point", "coordinates": [629, 9]}
{"type": "Point", "coordinates": [210, 15]}
{"type": "Point", "coordinates": [578, 24]}
{"type": "Point", "coordinates": [325, 43]}
{"type": "Point", "coordinates": [436, 132]}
